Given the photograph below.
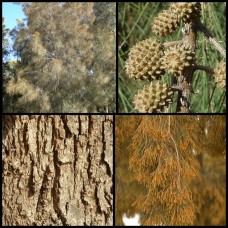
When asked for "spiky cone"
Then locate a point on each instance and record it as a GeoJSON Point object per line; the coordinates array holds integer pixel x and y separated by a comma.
{"type": "Point", "coordinates": [153, 98]}
{"type": "Point", "coordinates": [220, 75]}
{"type": "Point", "coordinates": [165, 23]}
{"type": "Point", "coordinates": [145, 60]}
{"type": "Point", "coordinates": [178, 58]}
{"type": "Point", "coordinates": [186, 11]}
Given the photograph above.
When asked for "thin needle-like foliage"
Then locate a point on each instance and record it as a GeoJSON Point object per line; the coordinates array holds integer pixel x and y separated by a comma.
{"type": "Point", "coordinates": [169, 158]}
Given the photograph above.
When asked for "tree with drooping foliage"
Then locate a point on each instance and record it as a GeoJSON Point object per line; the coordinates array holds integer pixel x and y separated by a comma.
{"type": "Point", "coordinates": [126, 188]}
{"type": "Point", "coordinates": [171, 158]}
{"type": "Point", "coordinates": [67, 54]}
{"type": "Point", "coordinates": [6, 67]}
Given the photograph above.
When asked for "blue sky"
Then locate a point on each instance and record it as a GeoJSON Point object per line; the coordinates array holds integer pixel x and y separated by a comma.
{"type": "Point", "coordinates": [11, 12]}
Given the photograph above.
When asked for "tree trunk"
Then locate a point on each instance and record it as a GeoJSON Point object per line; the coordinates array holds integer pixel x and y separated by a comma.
{"type": "Point", "coordinates": [57, 170]}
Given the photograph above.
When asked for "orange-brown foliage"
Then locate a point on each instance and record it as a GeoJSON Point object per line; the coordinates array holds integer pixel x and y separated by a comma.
{"type": "Point", "coordinates": [166, 155]}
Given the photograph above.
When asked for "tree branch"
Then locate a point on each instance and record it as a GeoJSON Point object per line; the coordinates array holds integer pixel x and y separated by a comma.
{"type": "Point", "coordinates": [172, 43]}
{"type": "Point", "coordinates": [201, 27]}
{"type": "Point", "coordinates": [204, 68]}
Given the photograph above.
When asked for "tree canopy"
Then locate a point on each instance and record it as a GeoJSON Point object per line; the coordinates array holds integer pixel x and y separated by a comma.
{"type": "Point", "coordinates": [66, 58]}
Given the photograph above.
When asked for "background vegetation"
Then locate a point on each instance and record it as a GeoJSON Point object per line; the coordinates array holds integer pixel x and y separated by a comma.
{"type": "Point", "coordinates": [134, 25]}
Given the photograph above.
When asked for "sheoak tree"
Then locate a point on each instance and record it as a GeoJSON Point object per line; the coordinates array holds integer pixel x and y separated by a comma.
{"type": "Point", "coordinates": [180, 163]}
{"type": "Point", "coordinates": [66, 55]}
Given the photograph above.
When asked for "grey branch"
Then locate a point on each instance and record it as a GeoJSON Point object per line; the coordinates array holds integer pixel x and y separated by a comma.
{"type": "Point", "coordinates": [201, 27]}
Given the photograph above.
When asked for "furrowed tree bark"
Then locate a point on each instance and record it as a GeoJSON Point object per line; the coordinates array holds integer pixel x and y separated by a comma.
{"type": "Point", "coordinates": [57, 170]}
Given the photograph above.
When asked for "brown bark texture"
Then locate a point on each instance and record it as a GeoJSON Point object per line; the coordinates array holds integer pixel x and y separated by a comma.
{"type": "Point", "coordinates": [57, 170]}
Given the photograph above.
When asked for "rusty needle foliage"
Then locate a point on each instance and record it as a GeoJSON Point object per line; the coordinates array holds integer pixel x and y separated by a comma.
{"type": "Point", "coordinates": [162, 160]}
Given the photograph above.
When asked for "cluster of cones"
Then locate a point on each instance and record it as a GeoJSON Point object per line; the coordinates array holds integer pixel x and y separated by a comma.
{"type": "Point", "coordinates": [150, 60]}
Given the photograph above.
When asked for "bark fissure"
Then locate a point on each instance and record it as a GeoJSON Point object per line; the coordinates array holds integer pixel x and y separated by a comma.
{"type": "Point", "coordinates": [103, 136]}
{"type": "Point", "coordinates": [75, 161]}
{"type": "Point", "coordinates": [53, 133]}
{"type": "Point", "coordinates": [89, 173]}
{"type": "Point", "coordinates": [44, 146]}
{"type": "Point", "coordinates": [67, 130]}
{"type": "Point", "coordinates": [40, 198]}
{"type": "Point", "coordinates": [25, 135]}
{"type": "Point", "coordinates": [79, 125]}
{"type": "Point", "coordinates": [13, 147]}
{"type": "Point", "coordinates": [84, 202]}
{"type": "Point", "coordinates": [7, 124]}
{"type": "Point", "coordinates": [90, 124]}
{"type": "Point", "coordinates": [97, 200]}
{"type": "Point", "coordinates": [38, 144]}
{"type": "Point", "coordinates": [38, 123]}
{"type": "Point", "coordinates": [108, 168]}
{"type": "Point", "coordinates": [31, 191]}
{"type": "Point", "coordinates": [56, 191]}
